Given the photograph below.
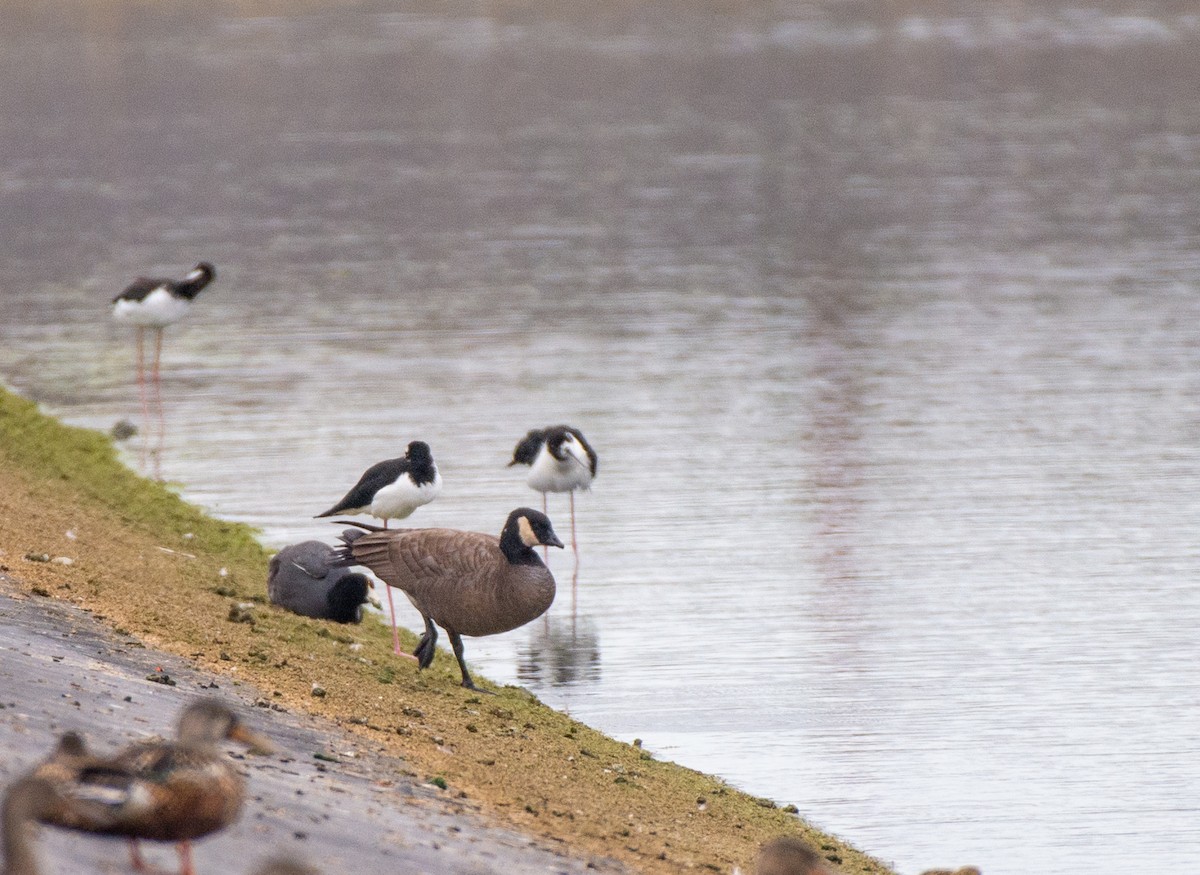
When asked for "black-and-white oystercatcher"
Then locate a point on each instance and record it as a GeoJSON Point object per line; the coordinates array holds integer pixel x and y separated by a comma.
{"type": "Point", "coordinates": [154, 303]}
{"type": "Point", "coordinates": [393, 489]}
{"type": "Point", "coordinates": [560, 460]}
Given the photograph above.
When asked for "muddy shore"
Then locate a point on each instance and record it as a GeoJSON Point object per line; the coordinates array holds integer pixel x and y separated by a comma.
{"type": "Point", "coordinates": [449, 780]}
{"type": "Point", "coordinates": [325, 798]}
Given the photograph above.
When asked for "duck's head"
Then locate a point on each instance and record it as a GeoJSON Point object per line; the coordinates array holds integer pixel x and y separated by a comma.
{"type": "Point", "coordinates": [70, 744]}
{"type": "Point", "coordinates": [210, 721]}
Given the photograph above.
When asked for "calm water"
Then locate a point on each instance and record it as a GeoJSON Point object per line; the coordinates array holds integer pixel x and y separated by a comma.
{"type": "Point", "coordinates": [884, 326]}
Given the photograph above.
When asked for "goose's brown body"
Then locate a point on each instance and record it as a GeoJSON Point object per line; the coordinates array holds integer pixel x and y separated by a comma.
{"type": "Point", "coordinates": [461, 580]}
{"type": "Point", "coordinates": [469, 583]}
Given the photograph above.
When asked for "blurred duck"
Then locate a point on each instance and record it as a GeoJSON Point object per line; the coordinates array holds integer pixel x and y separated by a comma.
{"type": "Point", "coordinates": [560, 460]}
{"type": "Point", "coordinates": [469, 583]}
{"type": "Point", "coordinates": [306, 579]}
{"type": "Point", "coordinates": [32, 799]}
{"type": "Point", "coordinates": [170, 791]}
{"type": "Point", "coordinates": [788, 855]}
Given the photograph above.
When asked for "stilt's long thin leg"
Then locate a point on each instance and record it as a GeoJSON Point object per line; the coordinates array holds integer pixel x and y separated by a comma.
{"type": "Point", "coordinates": [142, 398]}
{"type": "Point", "coordinates": [157, 383]}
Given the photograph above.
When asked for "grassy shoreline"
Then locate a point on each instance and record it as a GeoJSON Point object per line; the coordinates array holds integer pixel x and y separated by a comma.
{"type": "Point", "coordinates": [154, 567]}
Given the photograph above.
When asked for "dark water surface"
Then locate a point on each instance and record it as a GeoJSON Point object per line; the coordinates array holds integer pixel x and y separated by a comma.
{"type": "Point", "coordinates": [883, 324]}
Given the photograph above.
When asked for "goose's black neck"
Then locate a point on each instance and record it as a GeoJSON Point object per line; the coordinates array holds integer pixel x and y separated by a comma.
{"type": "Point", "coordinates": [514, 549]}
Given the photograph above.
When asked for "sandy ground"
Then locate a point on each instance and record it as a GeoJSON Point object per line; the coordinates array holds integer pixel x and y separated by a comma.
{"type": "Point", "coordinates": [350, 810]}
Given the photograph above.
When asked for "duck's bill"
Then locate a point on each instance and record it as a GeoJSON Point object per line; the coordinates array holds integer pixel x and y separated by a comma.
{"type": "Point", "coordinates": [256, 742]}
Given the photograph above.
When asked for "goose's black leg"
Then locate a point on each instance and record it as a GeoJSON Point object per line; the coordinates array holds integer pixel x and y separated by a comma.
{"type": "Point", "coordinates": [456, 643]}
{"type": "Point", "coordinates": [425, 648]}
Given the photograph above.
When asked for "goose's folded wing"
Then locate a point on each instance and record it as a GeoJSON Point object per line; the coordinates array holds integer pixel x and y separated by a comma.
{"type": "Point", "coordinates": [428, 558]}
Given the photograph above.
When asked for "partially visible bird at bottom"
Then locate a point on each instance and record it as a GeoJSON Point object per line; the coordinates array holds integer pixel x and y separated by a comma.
{"type": "Point", "coordinates": [159, 790]}
{"type": "Point", "coordinates": [469, 583]}
{"type": "Point", "coordinates": [32, 799]}
{"type": "Point", "coordinates": [305, 578]}
{"type": "Point", "coordinates": [285, 866]}
{"type": "Point", "coordinates": [789, 855]}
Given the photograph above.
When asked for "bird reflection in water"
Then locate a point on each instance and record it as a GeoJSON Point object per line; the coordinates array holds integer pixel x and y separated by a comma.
{"type": "Point", "coordinates": [560, 652]}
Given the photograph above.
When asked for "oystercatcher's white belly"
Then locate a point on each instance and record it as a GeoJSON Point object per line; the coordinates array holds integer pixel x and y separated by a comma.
{"type": "Point", "coordinates": [158, 309]}
{"type": "Point", "coordinates": [548, 474]}
{"type": "Point", "coordinates": [398, 500]}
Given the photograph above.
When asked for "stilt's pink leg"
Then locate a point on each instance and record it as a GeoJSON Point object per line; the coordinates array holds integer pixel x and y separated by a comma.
{"type": "Point", "coordinates": [392, 616]}
{"type": "Point", "coordinates": [162, 421]}
{"type": "Point", "coordinates": [395, 628]}
{"type": "Point", "coordinates": [141, 384]}
{"type": "Point", "coordinates": [574, 543]}
{"type": "Point", "coordinates": [575, 549]}
{"type": "Point", "coordinates": [574, 589]}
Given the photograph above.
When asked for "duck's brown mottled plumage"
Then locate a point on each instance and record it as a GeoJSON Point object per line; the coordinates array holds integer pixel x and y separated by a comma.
{"type": "Point", "coordinates": [191, 786]}
{"type": "Point", "coordinates": [469, 583]}
{"type": "Point", "coordinates": [33, 798]}
{"type": "Point", "coordinates": [63, 763]}
{"type": "Point", "coordinates": [161, 790]}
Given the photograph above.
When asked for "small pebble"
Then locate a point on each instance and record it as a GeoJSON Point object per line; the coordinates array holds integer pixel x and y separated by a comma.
{"type": "Point", "coordinates": [242, 612]}
{"type": "Point", "coordinates": [123, 430]}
